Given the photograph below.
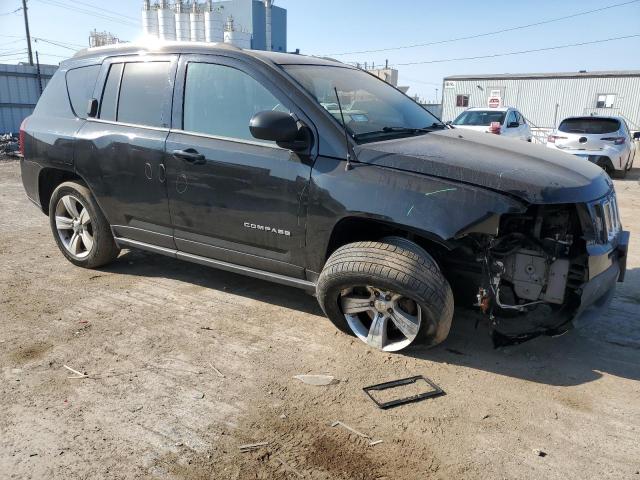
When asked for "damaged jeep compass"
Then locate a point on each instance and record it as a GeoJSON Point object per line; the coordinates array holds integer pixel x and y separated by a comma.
{"type": "Point", "coordinates": [314, 174]}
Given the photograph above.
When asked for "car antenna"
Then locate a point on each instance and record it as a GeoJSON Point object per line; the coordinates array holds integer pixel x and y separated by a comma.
{"type": "Point", "coordinates": [348, 166]}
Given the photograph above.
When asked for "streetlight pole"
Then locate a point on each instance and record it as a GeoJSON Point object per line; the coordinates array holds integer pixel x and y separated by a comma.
{"type": "Point", "coordinates": [26, 28]}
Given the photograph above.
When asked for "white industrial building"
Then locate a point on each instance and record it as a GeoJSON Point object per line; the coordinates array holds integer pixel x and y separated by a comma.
{"type": "Point", "coordinates": [545, 99]}
{"type": "Point", "coordinates": [254, 24]}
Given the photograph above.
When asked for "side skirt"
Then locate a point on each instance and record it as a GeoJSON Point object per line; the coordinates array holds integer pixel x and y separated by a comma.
{"type": "Point", "coordinates": [229, 267]}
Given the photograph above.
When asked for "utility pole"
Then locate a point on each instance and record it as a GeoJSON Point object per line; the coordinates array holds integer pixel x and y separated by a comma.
{"type": "Point", "coordinates": [38, 72]}
{"type": "Point", "coordinates": [26, 28]}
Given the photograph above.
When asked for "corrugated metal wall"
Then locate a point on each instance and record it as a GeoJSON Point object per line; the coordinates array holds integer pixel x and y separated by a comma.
{"type": "Point", "coordinates": [19, 93]}
{"type": "Point", "coordinates": [537, 98]}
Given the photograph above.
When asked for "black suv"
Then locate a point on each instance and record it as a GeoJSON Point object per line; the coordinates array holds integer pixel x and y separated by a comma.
{"type": "Point", "coordinates": [311, 173]}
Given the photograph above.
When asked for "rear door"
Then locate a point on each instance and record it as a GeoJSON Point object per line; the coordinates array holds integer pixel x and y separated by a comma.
{"type": "Point", "coordinates": [239, 199]}
{"type": "Point", "coordinates": [629, 142]}
{"type": "Point", "coordinates": [121, 153]}
{"type": "Point", "coordinates": [525, 131]}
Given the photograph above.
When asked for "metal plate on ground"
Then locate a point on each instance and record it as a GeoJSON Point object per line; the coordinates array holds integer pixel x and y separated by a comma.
{"type": "Point", "coordinates": [419, 387]}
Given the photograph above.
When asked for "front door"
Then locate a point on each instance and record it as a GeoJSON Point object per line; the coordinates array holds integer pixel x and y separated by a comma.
{"type": "Point", "coordinates": [121, 153]}
{"type": "Point", "coordinates": [231, 197]}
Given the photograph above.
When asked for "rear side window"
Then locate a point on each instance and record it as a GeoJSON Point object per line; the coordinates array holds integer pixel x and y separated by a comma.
{"type": "Point", "coordinates": [590, 125]}
{"type": "Point", "coordinates": [54, 101]}
{"type": "Point", "coordinates": [109, 101]}
{"type": "Point", "coordinates": [220, 100]}
{"type": "Point", "coordinates": [144, 93]}
{"type": "Point", "coordinates": [80, 85]}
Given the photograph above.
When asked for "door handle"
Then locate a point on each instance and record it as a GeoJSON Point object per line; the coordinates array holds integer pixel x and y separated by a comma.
{"type": "Point", "coordinates": [190, 155]}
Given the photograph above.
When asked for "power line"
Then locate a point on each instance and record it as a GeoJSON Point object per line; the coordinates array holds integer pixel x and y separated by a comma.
{"type": "Point", "coordinates": [57, 44]}
{"type": "Point", "coordinates": [480, 35]}
{"type": "Point", "coordinates": [505, 54]}
{"type": "Point", "coordinates": [11, 13]}
{"type": "Point", "coordinates": [117, 14]}
{"type": "Point", "coordinates": [13, 54]}
{"type": "Point", "coordinates": [121, 20]}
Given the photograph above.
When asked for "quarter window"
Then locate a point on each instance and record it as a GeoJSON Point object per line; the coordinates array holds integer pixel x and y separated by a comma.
{"type": "Point", "coordinates": [109, 101]}
{"type": "Point", "coordinates": [220, 100]}
{"type": "Point", "coordinates": [144, 93]}
{"type": "Point", "coordinates": [605, 100]}
{"type": "Point", "coordinates": [80, 84]}
{"type": "Point", "coordinates": [462, 100]}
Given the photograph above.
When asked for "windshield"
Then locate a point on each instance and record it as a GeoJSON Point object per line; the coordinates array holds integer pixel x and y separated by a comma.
{"type": "Point", "coordinates": [372, 109]}
{"type": "Point", "coordinates": [479, 118]}
{"type": "Point", "coordinates": [589, 125]}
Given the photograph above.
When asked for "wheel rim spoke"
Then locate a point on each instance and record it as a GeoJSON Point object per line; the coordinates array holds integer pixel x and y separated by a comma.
{"type": "Point", "coordinates": [377, 337]}
{"type": "Point", "coordinates": [64, 223]}
{"type": "Point", "coordinates": [70, 205]}
{"type": "Point", "coordinates": [406, 323]}
{"type": "Point", "coordinates": [84, 217]}
{"type": "Point", "coordinates": [87, 240]}
{"type": "Point", "coordinates": [74, 243]}
{"type": "Point", "coordinates": [352, 304]}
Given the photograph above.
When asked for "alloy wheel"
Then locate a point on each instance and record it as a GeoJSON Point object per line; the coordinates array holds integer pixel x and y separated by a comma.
{"type": "Point", "coordinates": [74, 227]}
{"type": "Point", "coordinates": [383, 319]}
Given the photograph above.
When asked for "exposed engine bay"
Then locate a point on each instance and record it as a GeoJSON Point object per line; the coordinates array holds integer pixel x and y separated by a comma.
{"type": "Point", "coordinates": [530, 272]}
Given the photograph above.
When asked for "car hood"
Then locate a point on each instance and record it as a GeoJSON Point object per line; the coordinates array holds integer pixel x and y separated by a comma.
{"type": "Point", "coordinates": [533, 173]}
{"type": "Point", "coordinates": [475, 128]}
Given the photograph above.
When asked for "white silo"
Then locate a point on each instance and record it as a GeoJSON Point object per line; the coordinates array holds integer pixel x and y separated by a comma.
{"type": "Point", "coordinates": [166, 22]}
{"type": "Point", "coordinates": [213, 28]}
{"type": "Point", "coordinates": [197, 23]}
{"type": "Point", "coordinates": [235, 36]}
{"type": "Point", "coordinates": [150, 19]}
{"type": "Point", "coordinates": [183, 22]}
{"type": "Point", "coordinates": [267, 14]}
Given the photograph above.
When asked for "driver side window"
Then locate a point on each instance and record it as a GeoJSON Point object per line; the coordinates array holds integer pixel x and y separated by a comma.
{"type": "Point", "coordinates": [511, 118]}
{"type": "Point", "coordinates": [220, 101]}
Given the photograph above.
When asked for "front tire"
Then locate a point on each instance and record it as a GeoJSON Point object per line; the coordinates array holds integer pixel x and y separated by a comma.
{"type": "Point", "coordinates": [79, 227]}
{"type": "Point", "coordinates": [388, 296]}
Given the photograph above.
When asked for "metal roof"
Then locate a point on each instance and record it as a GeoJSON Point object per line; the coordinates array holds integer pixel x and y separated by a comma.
{"type": "Point", "coordinates": [201, 48]}
{"type": "Point", "coordinates": [531, 76]}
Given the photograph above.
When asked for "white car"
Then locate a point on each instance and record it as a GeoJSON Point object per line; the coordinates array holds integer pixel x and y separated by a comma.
{"type": "Point", "coordinates": [605, 141]}
{"type": "Point", "coordinates": [505, 121]}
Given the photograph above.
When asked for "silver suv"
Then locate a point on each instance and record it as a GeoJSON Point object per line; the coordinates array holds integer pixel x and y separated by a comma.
{"type": "Point", "coordinates": [605, 141]}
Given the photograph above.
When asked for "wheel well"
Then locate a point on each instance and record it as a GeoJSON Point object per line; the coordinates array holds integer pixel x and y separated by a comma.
{"type": "Point", "coordinates": [48, 181]}
{"type": "Point", "coordinates": [354, 229]}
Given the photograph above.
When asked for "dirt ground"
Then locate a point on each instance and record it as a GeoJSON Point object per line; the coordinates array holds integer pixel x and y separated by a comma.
{"type": "Point", "coordinates": [152, 333]}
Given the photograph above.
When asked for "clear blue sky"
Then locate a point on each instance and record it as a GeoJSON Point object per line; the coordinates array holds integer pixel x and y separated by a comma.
{"type": "Point", "coordinates": [335, 26]}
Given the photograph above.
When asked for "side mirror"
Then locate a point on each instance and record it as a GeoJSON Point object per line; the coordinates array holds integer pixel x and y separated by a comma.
{"type": "Point", "coordinates": [92, 108]}
{"type": "Point", "coordinates": [513, 125]}
{"type": "Point", "coordinates": [636, 136]}
{"type": "Point", "coordinates": [279, 127]}
{"type": "Point", "coordinates": [449, 122]}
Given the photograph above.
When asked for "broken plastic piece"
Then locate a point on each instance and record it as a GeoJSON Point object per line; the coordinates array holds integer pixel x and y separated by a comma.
{"type": "Point", "coordinates": [252, 446]}
{"type": "Point", "coordinates": [434, 392]}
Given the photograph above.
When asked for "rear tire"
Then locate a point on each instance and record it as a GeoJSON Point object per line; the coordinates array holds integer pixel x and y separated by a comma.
{"type": "Point", "coordinates": [79, 227]}
{"type": "Point", "coordinates": [378, 280]}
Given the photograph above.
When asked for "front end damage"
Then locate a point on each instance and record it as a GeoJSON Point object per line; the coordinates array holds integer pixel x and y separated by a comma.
{"type": "Point", "coordinates": [544, 269]}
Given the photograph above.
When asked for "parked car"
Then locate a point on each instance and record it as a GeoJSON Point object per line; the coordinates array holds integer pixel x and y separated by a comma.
{"type": "Point", "coordinates": [605, 141]}
{"type": "Point", "coordinates": [240, 160]}
{"type": "Point", "coordinates": [505, 121]}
